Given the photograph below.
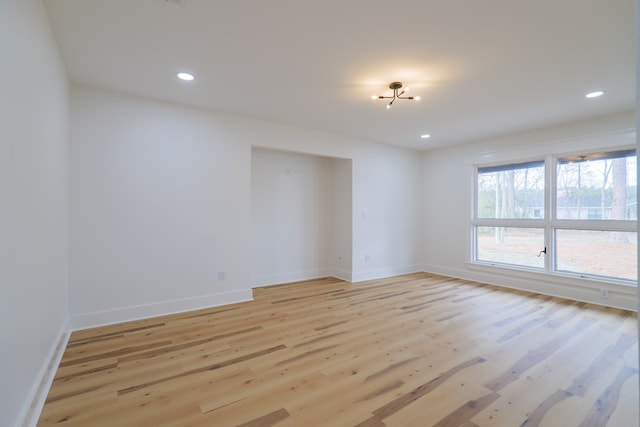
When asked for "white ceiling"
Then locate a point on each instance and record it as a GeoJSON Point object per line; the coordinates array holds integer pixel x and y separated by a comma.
{"type": "Point", "coordinates": [482, 68]}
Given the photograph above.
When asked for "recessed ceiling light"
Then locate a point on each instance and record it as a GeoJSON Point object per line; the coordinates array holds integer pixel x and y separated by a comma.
{"type": "Point", "coordinates": [595, 94]}
{"type": "Point", "coordinates": [185, 76]}
{"type": "Point", "coordinates": [425, 136]}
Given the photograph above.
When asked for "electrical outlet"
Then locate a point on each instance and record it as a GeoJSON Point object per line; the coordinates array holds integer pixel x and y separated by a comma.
{"type": "Point", "coordinates": [367, 259]}
{"type": "Point", "coordinates": [604, 293]}
{"type": "Point", "coordinates": [221, 275]}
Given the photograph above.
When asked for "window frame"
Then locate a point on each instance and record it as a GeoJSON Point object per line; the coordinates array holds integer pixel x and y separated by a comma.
{"type": "Point", "coordinates": [549, 223]}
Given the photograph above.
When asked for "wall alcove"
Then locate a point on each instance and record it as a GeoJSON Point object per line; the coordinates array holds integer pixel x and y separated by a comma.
{"type": "Point", "coordinates": [301, 221]}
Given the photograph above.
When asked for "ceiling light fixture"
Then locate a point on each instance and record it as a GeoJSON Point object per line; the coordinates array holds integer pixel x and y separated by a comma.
{"type": "Point", "coordinates": [398, 91]}
{"type": "Point", "coordinates": [185, 76]}
{"type": "Point", "coordinates": [594, 94]}
{"type": "Point", "coordinates": [425, 136]}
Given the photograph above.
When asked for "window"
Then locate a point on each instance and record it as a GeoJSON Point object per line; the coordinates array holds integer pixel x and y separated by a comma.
{"type": "Point", "coordinates": [597, 186]}
{"type": "Point", "coordinates": [510, 214]}
{"type": "Point", "coordinates": [511, 191]}
{"type": "Point", "coordinates": [510, 245]}
{"type": "Point", "coordinates": [597, 253]}
{"type": "Point", "coordinates": [573, 215]}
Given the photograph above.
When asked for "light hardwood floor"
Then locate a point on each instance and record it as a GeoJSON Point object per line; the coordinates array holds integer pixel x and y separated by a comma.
{"type": "Point", "coordinates": [414, 350]}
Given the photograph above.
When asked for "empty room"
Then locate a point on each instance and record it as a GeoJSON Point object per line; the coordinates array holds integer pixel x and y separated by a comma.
{"type": "Point", "coordinates": [318, 213]}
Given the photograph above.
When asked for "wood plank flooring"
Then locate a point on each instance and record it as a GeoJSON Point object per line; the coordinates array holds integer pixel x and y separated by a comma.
{"type": "Point", "coordinates": [414, 350]}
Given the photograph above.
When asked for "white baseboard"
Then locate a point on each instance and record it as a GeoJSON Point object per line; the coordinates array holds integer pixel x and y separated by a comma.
{"type": "Point", "coordinates": [360, 276]}
{"type": "Point", "coordinates": [577, 289]}
{"type": "Point", "coordinates": [35, 402]}
{"type": "Point", "coordinates": [295, 276]}
{"type": "Point", "coordinates": [341, 274]}
{"type": "Point", "coordinates": [92, 320]}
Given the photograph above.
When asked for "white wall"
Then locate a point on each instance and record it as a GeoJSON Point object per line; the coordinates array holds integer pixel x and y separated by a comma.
{"type": "Point", "coordinates": [290, 216]}
{"type": "Point", "coordinates": [33, 203]}
{"type": "Point", "coordinates": [341, 220]}
{"type": "Point", "coordinates": [160, 204]}
{"type": "Point", "coordinates": [448, 176]}
{"type": "Point", "coordinates": [301, 217]}
{"type": "Point", "coordinates": [387, 198]}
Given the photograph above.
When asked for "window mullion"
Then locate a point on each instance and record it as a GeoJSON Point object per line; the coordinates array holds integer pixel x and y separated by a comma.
{"type": "Point", "coordinates": [550, 212]}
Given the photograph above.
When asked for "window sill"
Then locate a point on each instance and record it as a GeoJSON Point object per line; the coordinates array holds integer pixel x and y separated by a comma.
{"type": "Point", "coordinates": [567, 279]}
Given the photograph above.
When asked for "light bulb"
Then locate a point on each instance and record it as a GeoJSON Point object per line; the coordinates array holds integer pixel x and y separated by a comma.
{"type": "Point", "coordinates": [417, 98]}
{"type": "Point", "coordinates": [595, 94]}
{"type": "Point", "coordinates": [185, 76]}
